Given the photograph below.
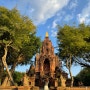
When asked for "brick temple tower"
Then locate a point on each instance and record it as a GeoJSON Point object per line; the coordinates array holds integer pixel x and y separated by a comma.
{"type": "Point", "coordinates": [46, 61]}
{"type": "Point", "coordinates": [47, 66]}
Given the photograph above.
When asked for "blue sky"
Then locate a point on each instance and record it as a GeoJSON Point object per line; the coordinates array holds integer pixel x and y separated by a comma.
{"type": "Point", "coordinates": [47, 14]}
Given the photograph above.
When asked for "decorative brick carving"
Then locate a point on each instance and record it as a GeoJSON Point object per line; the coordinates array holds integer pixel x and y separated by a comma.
{"type": "Point", "coordinates": [46, 61]}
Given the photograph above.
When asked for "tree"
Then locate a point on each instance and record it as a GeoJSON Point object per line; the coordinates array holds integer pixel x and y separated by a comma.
{"type": "Point", "coordinates": [24, 55]}
{"type": "Point", "coordinates": [70, 42]}
{"type": "Point", "coordinates": [16, 33]}
{"type": "Point", "coordinates": [83, 58]}
{"type": "Point", "coordinates": [84, 76]}
{"type": "Point", "coordinates": [18, 76]}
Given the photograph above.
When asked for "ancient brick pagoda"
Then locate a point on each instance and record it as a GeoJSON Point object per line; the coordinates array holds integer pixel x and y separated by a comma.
{"type": "Point", "coordinates": [47, 65]}
{"type": "Point", "coordinates": [46, 61]}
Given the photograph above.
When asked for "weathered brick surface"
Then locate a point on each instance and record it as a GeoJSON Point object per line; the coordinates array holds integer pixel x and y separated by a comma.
{"type": "Point", "coordinates": [46, 60]}
{"type": "Point", "coordinates": [73, 88]}
{"type": "Point", "coordinates": [37, 88]}
{"type": "Point", "coordinates": [18, 88]}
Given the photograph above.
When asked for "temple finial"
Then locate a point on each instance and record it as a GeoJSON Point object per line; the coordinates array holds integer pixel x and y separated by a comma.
{"type": "Point", "coordinates": [47, 34]}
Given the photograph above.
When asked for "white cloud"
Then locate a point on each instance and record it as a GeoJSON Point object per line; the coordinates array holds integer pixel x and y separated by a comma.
{"type": "Point", "coordinates": [41, 10]}
{"type": "Point", "coordinates": [54, 24]}
{"type": "Point", "coordinates": [73, 4]}
{"type": "Point", "coordinates": [61, 13]}
{"type": "Point", "coordinates": [68, 17]}
{"type": "Point", "coordinates": [84, 16]}
{"type": "Point", "coordinates": [57, 19]}
{"type": "Point", "coordinates": [53, 33]}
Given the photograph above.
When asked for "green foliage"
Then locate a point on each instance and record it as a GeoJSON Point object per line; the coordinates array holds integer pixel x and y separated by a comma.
{"type": "Point", "coordinates": [74, 45]}
{"type": "Point", "coordinates": [70, 40]}
{"type": "Point", "coordinates": [75, 41]}
{"type": "Point", "coordinates": [28, 50]}
{"type": "Point", "coordinates": [14, 27]}
{"type": "Point", "coordinates": [18, 33]}
{"type": "Point", "coordinates": [3, 75]}
{"type": "Point", "coordinates": [84, 76]}
{"type": "Point", "coordinates": [31, 48]}
{"type": "Point", "coordinates": [18, 77]}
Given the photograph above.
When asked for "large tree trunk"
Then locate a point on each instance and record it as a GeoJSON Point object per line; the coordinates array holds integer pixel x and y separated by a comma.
{"type": "Point", "coordinates": [72, 80]}
{"type": "Point", "coordinates": [69, 64]}
{"type": "Point", "coordinates": [5, 64]}
{"type": "Point", "coordinates": [1, 71]}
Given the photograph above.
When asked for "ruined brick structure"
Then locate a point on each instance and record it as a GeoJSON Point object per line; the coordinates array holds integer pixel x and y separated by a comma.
{"type": "Point", "coordinates": [46, 60]}
{"type": "Point", "coordinates": [47, 65]}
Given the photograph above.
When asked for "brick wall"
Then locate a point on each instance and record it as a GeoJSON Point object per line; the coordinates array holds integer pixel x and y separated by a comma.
{"type": "Point", "coordinates": [73, 88]}
{"type": "Point", "coordinates": [18, 88]}
{"type": "Point", "coordinates": [37, 88]}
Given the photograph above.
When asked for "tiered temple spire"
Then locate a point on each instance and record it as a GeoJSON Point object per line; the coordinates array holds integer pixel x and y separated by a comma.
{"type": "Point", "coordinates": [47, 34]}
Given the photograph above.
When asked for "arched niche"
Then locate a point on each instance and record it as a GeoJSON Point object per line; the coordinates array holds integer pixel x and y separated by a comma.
{"type": "Point", "coordinates": [46, 66]}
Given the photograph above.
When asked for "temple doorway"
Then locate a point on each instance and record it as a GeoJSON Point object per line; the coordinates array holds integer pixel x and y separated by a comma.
{"type": "Point", "coordinates": [46, 67]}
